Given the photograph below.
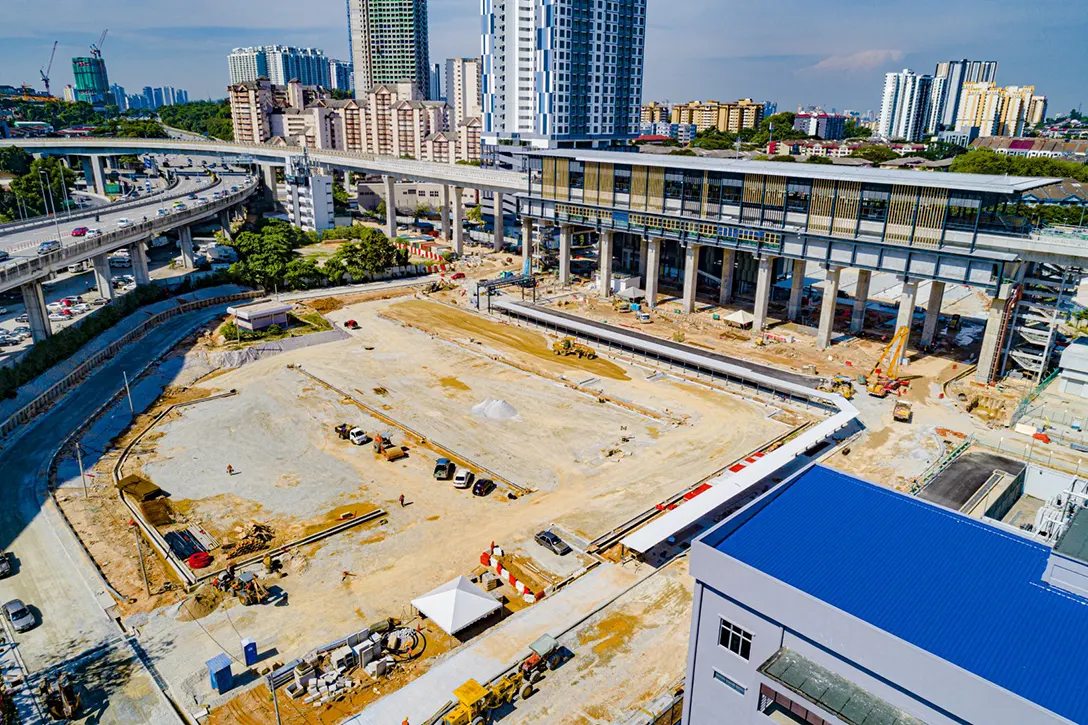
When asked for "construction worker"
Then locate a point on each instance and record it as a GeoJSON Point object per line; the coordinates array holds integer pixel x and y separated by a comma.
{"type": "Point", "coordinates": [230, 470]}
{"type": "Point", "coordinates": [402, 500]}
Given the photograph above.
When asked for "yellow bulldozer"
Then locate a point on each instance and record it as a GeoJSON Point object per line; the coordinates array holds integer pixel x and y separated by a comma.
{"type": "Point", "coordinates": [567, 346]}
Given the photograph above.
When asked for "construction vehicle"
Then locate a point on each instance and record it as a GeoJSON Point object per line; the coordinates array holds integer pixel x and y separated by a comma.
{"type": "Point", "coordinates": [546, 654]}
{"type": "Point", "coordinates": [61, 699]}
{"type": "Point", "coordinates": [475, 701]}
{"type": "Point", "coordinates": [567, 346]}
{"type": "Point", "coordinates": [902, 411]}
{"type": "Point", "coordinates": [883, 380]}
{"type": "Point", "coordinates": [643, 317]}
{"type": "Point", "coordinates": [839, 384]}
{"type": "Point", "coordinates": [621, 306]}
{"type": "Point", "coordinates": [343, 430]}
{"type": "Point", "coordinates": [383, 446]}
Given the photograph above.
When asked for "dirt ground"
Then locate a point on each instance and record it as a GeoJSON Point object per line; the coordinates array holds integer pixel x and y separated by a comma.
{"type": "Point", "coordinates": [591, 465]}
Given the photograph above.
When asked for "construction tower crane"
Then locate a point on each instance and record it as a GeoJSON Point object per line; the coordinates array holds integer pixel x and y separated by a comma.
{"type": "Point", "coordinates": [96, 48]}
{"type": "Point", "coordinates": [45, 73]}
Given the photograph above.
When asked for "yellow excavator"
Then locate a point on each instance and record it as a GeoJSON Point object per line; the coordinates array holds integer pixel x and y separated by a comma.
{"type": "Point", "coordinates": [886, 379]}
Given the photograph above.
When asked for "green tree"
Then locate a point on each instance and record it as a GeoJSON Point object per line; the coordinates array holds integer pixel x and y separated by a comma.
{"type": "Point", "coordinates": [423, 209]}
{"type": "Point", "coordinates": [339, 197]}
{"type": "Point", "coordinates": [818, 160]}
{"type": "Point", "coordinates": [475, 214]}
{"type": "Point", "coordinates": [682, 152]}
{"type": "Point", "coordinates": [57, 178]}
{"type": "Point", "coordinates": [875, 155]}
{"type": "Point", "coordinates": [211, 118]}
{"type": "Point", "coordinates": [364, 257]}
{"type": "Point", "coordinates": [784, 158]}
{"type": "Point", "coordinates": [129, 128]}
{"type": "Point", "coordinates": [341, 95]}
{"type": "Point", "coordinates": [853, 129]}
{"type": "Point", "coordinates": [940, 150]}
{"type": "Point", "coordinates": [14, 160]}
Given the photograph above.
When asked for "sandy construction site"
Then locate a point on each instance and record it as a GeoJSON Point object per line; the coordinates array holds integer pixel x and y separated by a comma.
{"type": "Point", "coordinates": [576, 446]}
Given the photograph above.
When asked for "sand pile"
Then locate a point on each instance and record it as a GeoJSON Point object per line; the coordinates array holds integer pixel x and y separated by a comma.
{"type": "Point", "coordinates": [495, 409]}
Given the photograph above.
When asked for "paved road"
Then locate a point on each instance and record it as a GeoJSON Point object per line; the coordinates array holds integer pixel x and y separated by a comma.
{"type": "Point", "coordinates": [53, 576]}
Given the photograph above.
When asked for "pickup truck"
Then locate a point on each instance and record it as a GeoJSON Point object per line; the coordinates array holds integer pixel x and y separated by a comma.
{"type": "Point", "coordinates": [443, 469]}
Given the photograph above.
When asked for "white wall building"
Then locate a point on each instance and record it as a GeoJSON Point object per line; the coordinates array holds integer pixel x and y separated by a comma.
{"type": "Point", "coordinates": [948, 80]}
{"type": "Point", "coordinates": [463, 90]}
{"type": "Point", "coordinates": [905, 108]}
{"type": "Point", "coordinates": [557, 70]}
{"type": "Point", "coordinates": [309, 197]}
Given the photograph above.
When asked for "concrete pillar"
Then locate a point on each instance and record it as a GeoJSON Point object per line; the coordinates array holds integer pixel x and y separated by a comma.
{"type": "Point", "coordinates": [933, 312]}
{"type": "Point", "coordinates": [137, 252]}
{"type": "Point", "coordinates": [185, 241]}
{"type": "Point", "coordinates": [98, 174]}
{"type": "Point", "coordinates": [827, 309]}
{"type": "Point", "coordinates": [643, 253]}
{"type": "Point", "coordinates": [653, 268]}
{"type": "Point", "coordinates": [691, 276]}
{"type": "Point", "coordinates": [991, 340]}
{"type": "Point", "coordinates": [861, 299]}
{"type": "Point", "coordinates": [390, 208]}
{"type": "Point", "coordinates": [102, 276]}
{"type": "Point", "coordinates": [764, 280]}
{"type": "Point", "coordinates": [446, 212]}
{"type": "Point", "coordinates": [604, 279]}
{"type": "Point", "coordinates": [565, 233]}
{"type": "Point", "coordinates": [526, 245]}
{"type": "Point", "coordinates": [268, 172]}
{"type": "Point", "coordinates": [224, 222]}
{"type": "Point", "coordinates": [797, 289]}
{"type": "Point", "coordinates": [34, 299]}
{"type": "Point", "coordinates": [458, 221]}
{"type": "Point", "coordinates": [907, 301]}
{"type": "Point", "coordinates": [725, 292]}
{"type": "Point", "coordinates": [499, 232]}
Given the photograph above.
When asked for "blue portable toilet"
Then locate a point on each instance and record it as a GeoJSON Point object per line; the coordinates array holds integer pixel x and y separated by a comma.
{"type": "Point", "coordinates": [219, 671]}
{"type": "Point", "coordinates": [249, 652]}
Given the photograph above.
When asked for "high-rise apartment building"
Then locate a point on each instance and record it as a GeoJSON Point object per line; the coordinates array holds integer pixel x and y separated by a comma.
{"type": "Point", "coordinates": [92, 83]}
{"type": "Point", "coordinates": [389, 44]}
{"type": "Point", "coordinates": [70, 93]}
{"type": "Point", "coordinates": [827, 126]}
{"type": "Point", "coordinates": [340, 75]}
{"type": "Point", "coordinates": [725, 117]}
{"type": "Point", "coordinates": [562, 70]}
{"type": "Point", "coordinates": [279, 64]}
{"type": "Point", "coordinates": [435, 92]}
{"type": "Point", "coordinates": [993, 110]}
{"type": "Point", "coordinates": [905, 108]}
{"type": "Point", "coordinates": [463, 90]}
{"type": "Point", "coordinates": [654, 112]}
{"type": "Point", "coordinates": [120, 98]}
{"type": "Point", "coordinates": [1037, 111]}
{"type": "Point", "coordinates": [183, 96]}
{"type": "Point", "coordinates": [251, 107]}
{"type": "Point", "coordinates": [947, 90]}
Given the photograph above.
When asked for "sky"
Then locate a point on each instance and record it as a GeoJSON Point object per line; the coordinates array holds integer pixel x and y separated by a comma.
{"type": "Point", "coordinates": [789, 52]}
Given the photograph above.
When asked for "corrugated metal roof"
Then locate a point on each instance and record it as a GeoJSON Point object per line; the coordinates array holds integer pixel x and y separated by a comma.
{"type": "Point", "coordinates": [960, 589]}
{"type": "Point", "coordinates": [965, 182]}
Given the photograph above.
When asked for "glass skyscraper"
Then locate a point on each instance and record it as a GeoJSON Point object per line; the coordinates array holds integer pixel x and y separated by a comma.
{"type": "Point", "coordinates": [92, 83]}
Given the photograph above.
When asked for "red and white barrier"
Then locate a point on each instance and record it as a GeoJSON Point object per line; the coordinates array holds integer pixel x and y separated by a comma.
{"type": "Point", "coordinates": [494, 562]}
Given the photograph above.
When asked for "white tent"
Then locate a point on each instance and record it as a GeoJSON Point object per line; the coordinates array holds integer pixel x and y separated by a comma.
{"type": "Point", "coordinates": [456, 604]}
{"type": "Point", "coordinates": [740, 318]}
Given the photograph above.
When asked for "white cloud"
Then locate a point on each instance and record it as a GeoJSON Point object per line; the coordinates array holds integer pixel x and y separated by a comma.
{"type": "Point", "coordinates": [862, 60]}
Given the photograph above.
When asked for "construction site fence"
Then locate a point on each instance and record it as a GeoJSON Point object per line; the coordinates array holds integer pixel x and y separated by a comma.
{"type": "Point", "coordinates": [35, 407]}
{"type": "Point", "coordinates": [44, 221]}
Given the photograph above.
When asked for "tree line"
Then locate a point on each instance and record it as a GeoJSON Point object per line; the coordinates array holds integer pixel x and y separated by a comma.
{"type": "Point", "coordinates": [211, 118]}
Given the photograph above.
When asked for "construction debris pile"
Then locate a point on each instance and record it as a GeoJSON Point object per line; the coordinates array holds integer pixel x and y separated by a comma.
{"type": "Point", "coordinates": [256, 537]}
{"type": "Point", "coordinates": [246, 586]}
{"type": "Point", "coordinates": [60, 696]}
{"type": "Point", "coordinates": [321, 677]}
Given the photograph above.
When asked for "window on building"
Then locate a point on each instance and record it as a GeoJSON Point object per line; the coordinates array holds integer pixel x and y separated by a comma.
{"type": "Point", "coordinates": [729, 683]}
{"type": "Point", "coordinates": [732, 189]}
{"type": "Point", "coordinates": [874, 203]}
{"type": "Point", "coordinates": [797, 195]}
{"type": "Point", "coordinates": [963, 210]}
{"type": "Point", "coordinates": [674, 185]}
{"type": "Point", "coordinates": [693, 192]}
{"type": "Point", "coordinates": [735, 639]}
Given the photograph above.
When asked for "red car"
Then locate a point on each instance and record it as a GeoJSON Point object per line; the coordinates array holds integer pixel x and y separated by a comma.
{"type": "Point", "coordinates": [457, 275]}
{"type": "Point", "coordinates": [80, 232]}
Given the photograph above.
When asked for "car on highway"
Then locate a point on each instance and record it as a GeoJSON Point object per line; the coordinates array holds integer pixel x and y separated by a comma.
{"type": "Point", "coordinates": [161, 212]}
{"type": "Point", "coordinates": [203, 200]}
{"type": "Point", "coordinates": [80, 232]}
{"type": "Point", "coordinates": [20, 617]}
{"type": "Point", "coordinates": [4, 256]}
{"type": "Point", "coordinates": [191, 197]}
{"type": "Point", "coordinates": [179, 205]}
{"type": "Point", "coordinates": [81, 308]}
{"type": "Point", "coordinates": [9, 340]}
{"type": "Point", "coordinates": [552, 543]}
{"type": "Point", "coordinates": [59, 316]}
{"type": "Point", "coordinates": [99, 301]}
{"type": "Point", "coordinates": [49, 245]}
{"type": "Point", "coordinates": [483, 487]}
{"type": "Point", "coordinates": [463, 478]}
{"type": "Point", "coordinates": [92, 232]}
{"type": "Point", "coordinates": [23, 318]}
{"type": "Point", "coordinates": [124, 222]}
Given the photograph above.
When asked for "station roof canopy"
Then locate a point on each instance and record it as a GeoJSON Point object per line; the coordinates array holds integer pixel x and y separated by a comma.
{"type": "Point", "coordinates": [962, 182]}
{"type": "Point", "coordinates": [963, 590]}
{"type": "Point", "coordinates": [456, 604]}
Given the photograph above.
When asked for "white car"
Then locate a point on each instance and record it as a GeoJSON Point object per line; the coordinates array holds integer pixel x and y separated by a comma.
{"type": "Point", "coordinates": [94, 232]}
{"type": "Point", "coordinates": [463, 478]}
{"type": "Point", "coordinates": [81, 308]}
{"type": "Point", "coordinates": [124, 222]}
{"type": "Point", "coordinates": [58, 316]}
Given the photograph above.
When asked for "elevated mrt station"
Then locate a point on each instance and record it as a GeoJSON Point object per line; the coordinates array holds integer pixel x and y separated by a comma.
{"type": "Point", "coordinates": [745, 224]}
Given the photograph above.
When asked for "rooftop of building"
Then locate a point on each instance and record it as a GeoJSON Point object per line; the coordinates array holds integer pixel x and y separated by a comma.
{"type": "Point", "coordinates": [962, 590]}
{"type": "Point", "coordinates": [964, 182]}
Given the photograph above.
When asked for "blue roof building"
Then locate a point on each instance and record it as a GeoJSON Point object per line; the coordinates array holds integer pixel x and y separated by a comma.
{"type": "Point", "coordinates": [833, 600]}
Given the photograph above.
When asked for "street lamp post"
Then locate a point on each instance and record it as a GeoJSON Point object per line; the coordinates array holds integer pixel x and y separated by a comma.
{"type": "Point", "coordinates": [42, 184]}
